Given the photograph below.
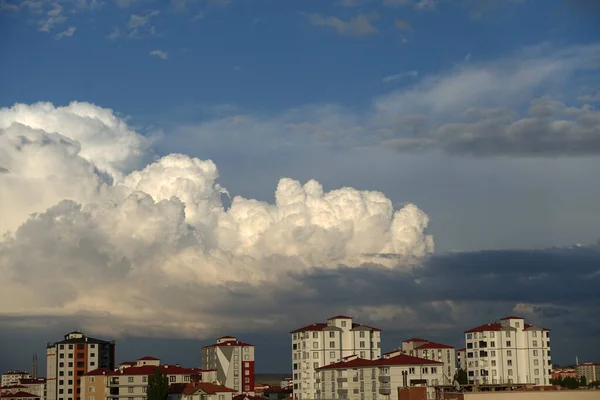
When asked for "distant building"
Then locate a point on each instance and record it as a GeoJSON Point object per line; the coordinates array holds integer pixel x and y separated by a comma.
{"type": "Point", "coordinates": [433, 351]}
{"type": "Point", "coordinates": [590, 370]}
{"type": "Point", "coordinates": [461, 356]}
{"type": "Point", "coordinates": [562, 373]}
{"type": "Point", "coordinates": [13, 377]}
{"type": "Point", "coordinates": [355, 378]}
{"type": "Point", "coordinates": [20, 395]}
{"type": "Point", "coordinates": [35, 386]}
{"type": "Point", "coordinates": [68, 360]}
{"type": "Point", "coordinates": [200, 391]}
{"type": "Point", "coordinates": [320, 344]}
{"type": "Point", "coordinates": [287, 383]}
{"type": "Point", "coordinates": [233, 361]}
{"type": "Point", "coordinates": [131, 383]}
{"type": "Point", "coordinates": [509, 351]}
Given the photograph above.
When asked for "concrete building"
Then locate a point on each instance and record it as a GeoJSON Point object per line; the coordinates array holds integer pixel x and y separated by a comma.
{"type": "Point", "coordinates": [130, 383]}
{"type": "Point", "coordinates": [13, 377]}
{"type": "Point", "coordinates": [433, 351]}
{"type": "Point", "coordinates": [461, 356]}
{"type": "Point", "coordinates": [200, 391]}
{"type": "Point", "coordinates": [234, 362]}
{"type": "Point", "coordinates": [509, 351]}
{"type": "Point", "coordinates": [320, 344]}
{"type": "Point", "coordinates": [35, 386]}
{"type": "Point", "coordinates": [18, 396]}
{"type": "Point", "coordinates": [562, 373]}
{"type": "Point", "coordinates": [68, 360]}
{"type": "Point", "coordinates": [590, 370]}
{"type": "Point", "coordinates": [355, 378]}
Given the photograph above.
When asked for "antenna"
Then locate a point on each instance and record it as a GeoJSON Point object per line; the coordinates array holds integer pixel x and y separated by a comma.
{"type": "Point", "coordinates": [576, 360]}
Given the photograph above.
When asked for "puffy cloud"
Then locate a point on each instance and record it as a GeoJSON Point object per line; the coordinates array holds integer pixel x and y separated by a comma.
{"type": "Point", "coordinates": [91, 231]}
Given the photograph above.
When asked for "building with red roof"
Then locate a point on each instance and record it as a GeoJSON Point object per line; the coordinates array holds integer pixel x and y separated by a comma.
{"type": "Point", "coordinates": [508, 351]}
{"type": "Point", "coordinates": [352, 375]}
{"type": "Point", "coordinates": [329, 342]}
{"type": "Point", "coordinates": [430, 350]}
{"type": "Point", "coordinates": [200, 391]}
{"type": "Point", "coordinates": [19, 395]}
{"type": "Point", "coordinates": [13, 377]}
{"type": "Point", "coordinates": [233, 361]}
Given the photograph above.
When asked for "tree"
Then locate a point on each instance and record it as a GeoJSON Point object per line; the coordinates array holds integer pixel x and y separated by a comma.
{"type": "Point", "coordinates": [158, 386]}
{"type": "Point", "coordinates": [583, 380]}
{"type": "Point", "coordinates": [461, 376]}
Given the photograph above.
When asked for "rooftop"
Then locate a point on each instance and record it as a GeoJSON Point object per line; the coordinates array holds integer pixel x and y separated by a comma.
{"type": "Point", "coordinates": [401, 359]}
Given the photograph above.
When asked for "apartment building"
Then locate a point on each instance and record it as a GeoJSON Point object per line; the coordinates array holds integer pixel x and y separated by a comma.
{"type": "Point", "coordinates": [130, 383]}
{"type": "Point", "coordinates": [509, 351]}
{"type": "Point", "coordinates": [354, 378]}
{"type": "Point", "coordinates": [13, 377]}
{"type": "Point", "coordinates": [233, 361]}
{"type": "Point", "coordinates": [20, 395]}
{"type": "Point", "coordinates": [200, 391]}
{"type": "Point", "coordinates": [320, 344]}
{"type": "Point", "coordinates": [35, 386]}
{"type": "Point", "coordinates": [590, 370]}
{"type": "Point", "coordinates": [461, 358]}
{"type": "Point", "coordinates": [68, 360]}
{"type": "Point", "coordinates": [433, 351]}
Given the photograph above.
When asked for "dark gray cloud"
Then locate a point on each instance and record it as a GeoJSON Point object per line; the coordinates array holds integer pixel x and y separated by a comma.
{"type": "Point", "coordinates": [555, 288]}
{"type": "Point", "coordinates": [550, 129]}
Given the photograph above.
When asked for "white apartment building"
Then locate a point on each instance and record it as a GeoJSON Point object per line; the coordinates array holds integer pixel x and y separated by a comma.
{"type": "Point", "coordinates": [13, 377]}
{"type": "Point", "coordinates": [130, 383]}
{"type": "Point", "coordinates": [461, 359]}
{"type": "Point", "coordinates": [433, 351]}
{"type": "Point", "coordinates": [68, 360]}
{"type": "Point", "coordinates": [321, 344]}
{"type": "Point", "coordinates": [509, 351]}
{"type": "Point", "coordinates": [355, 378]}
{"type": "Point", "coordinates": [233, 361]}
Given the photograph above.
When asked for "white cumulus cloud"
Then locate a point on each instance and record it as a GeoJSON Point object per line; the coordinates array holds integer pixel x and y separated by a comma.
{"type": "Point", "coordinates": [88, 227]}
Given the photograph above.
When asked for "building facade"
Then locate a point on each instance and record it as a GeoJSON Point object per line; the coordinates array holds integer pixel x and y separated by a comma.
{"type": "Point", "coordinates": [131, 383]}
{"type": "Point", "coordinates": [433, 351]}
{"type": "Point", "coordinates": [509, 351]}
{"type": "Point", "coordinates": [233, 361]}
{"type": "Point", "coordinates": [590, 370]}
{"type": "Point", "coordinates": [461, 359]}
{"type": "Point", "coordinates": [355, 378]}
{"type": "Point", "coordinates": [200, 391]}
{"type": "Point", "coordinates": [321, 344]}
{"type": "Point", "coordinates": [13, 377]}
{"type": "Point", "coordinates": [68, 360]}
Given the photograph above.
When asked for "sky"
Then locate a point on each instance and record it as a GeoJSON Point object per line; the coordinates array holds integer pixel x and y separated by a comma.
{"type": "Point", "coordinates": [175, 171]}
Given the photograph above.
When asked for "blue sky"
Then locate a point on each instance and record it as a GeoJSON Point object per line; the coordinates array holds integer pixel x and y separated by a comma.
{"type": "Point", "coordinates": [482, 113]}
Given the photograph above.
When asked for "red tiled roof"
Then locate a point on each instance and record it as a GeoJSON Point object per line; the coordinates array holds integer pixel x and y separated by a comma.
{"type": "Point", "coordinates": [401, 359]}
{"type": "Point", "coordinates": [230, 343]}
{"type": "Point", "coordinates": [463, 349]}
{"type": "Point", "coordinates": [433, 345]}
{"type": "Point", "coordinates": [128, 363]}
{"type": "Point", "coordinates": [414, 340]}
{"type": "Point", "coordinates": [148, 358]}
{"type": "Point", "coordinates": [510, 317]}
{"type": "Point", "coordinates": [483, 328]}
{"type": "Point", "coordinates": [355, 325]}
{"type": "Point", "coordinates": [101, 371]}
{"type": "Point", "coordinates": [191, 388]}
{"type": "Point", "coordinates": [18, 395]}
{"type": "Point", "coordinates": [319, 326]}
{"type": "Point", "coordinates": [247, 396]}
{"type": "Point", "coordinates": [227, 337]}
{"type": "Point", "coordinates": [30, 381]}
{"type": "Point", "coordinates": [339, 317]}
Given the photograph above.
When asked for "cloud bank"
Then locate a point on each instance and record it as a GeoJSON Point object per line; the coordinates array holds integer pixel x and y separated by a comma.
{"type": "Point", "coordinates": [91, 228]}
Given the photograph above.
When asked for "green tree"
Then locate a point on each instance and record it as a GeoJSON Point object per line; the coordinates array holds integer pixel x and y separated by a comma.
{"type": "Point", "coordinates": [158, 386]}
{"type": "Point", "coordinates": [583, 380]}
{"type": "Point", "coordinates": [461, 376]}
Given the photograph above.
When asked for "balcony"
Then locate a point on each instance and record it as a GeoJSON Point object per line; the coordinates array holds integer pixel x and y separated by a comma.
{"type": "Point", "coordinates": [384, 378]}
{"type": "Point", "coordinates": [342, 379]}
{"type": "Point", "coordinates": [385, 389]}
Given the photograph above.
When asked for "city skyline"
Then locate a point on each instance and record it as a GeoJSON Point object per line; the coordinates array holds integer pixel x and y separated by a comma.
{"type": "Point", "coordinates": [175, 171]}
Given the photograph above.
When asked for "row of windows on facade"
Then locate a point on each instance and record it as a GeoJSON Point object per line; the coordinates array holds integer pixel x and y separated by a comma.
{"type": "Point", "coordinates": [509, 363]}
{"type": "Point", "coordinates": [80, 364]}
{"type": "Point", "coordinates": [509, 372]}
{"type": "Point", "coordinates": [332, 354]}
{"type": "Point", "coordinates": [483, 344]}
{"type": "Point", "coordinates": [79, 355]}
{"type": "Point", "coordinates": [345, 396]}
{"type": "Point", "coordinates": [538, 381]}
{"type": "Point", "coordinates": [315, 335]}
{"type": "Point", "coordinates": [483, 335]}
{"type": "Point", "coordinates": [80, 346]}
{"type": "Point", "coordinates": [439, 354]}
{"type": "Point", "coordinates": [382, 372]}
{"type": "Point", "coordinates": [333, 345]}
{"type": "Point", "coordinates": [492, 353]}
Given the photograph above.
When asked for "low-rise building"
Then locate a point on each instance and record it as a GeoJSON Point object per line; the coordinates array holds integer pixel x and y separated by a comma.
{"type": "Point", "coordinates": [36, 386]}
{"type": "Point", "coordinates": [433, 351]}
{"type": "Point", "coordinates": [562, 373]}
{"type": "Point", "coordinates": [356, 378]}
{"type": "Point", "coordinates": [590, 370]}
{"type": "Point", "coordinates": [20, 395]}
{"type": "Point", "coordinates": [13, 377]}
{"type": "Point", "coordinates": [200, 391]}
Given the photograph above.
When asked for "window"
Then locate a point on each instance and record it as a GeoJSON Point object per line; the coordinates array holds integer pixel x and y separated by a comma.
{"type": "Point", "coordinates": [332, 345]}
{"type": "Point", "coordinates": [509, 363]}
{"type": "Point", "coordinates": [537, 381]}
{"type": "Point", "coordinates": [534, 333]}
{"type": "Point", "coordinates": [295, 336]}
{"type": "Point", "coordinates": [70, 373]}
{"type": "Point", "coordinates": [492, 334]}
{"type": "Point", "coordinates": [492, 344]}
{"type": "Point", "coordinates": [343, 324]}
{"type": "Point", "coordinates": [535, 353]}
{"type": "Point", "coordinates": [315, 345]}
{"type": "Point", "coordinates": [469, 336]}
{"type": "Point", "coordinates": [469, 345]}
{"type": "Point", "coordinates": [434, 370]}
{"type": "Point", "coordinates": [536, 371]}
{"type": "Point", "coordinates": [80, 364]}
{"type": "Point", "coordinates": [61, 382]}
{"type": "Point", "coordinates": [246, 380]}
{"type": "Point", "coordinates": [236, 372]}
{"type": "Point", "coordinates": [61, 365]}
{"type": "Point", "coordinates": [61, 355]}
{"type": "Point", "coordinates": [70, 391]}
{"type": "Point", "coordinates": [508, 343]}
{"type": "Point", "coordinates": [129, 390]}
{"type": "Point", "coordinates": [70, 347]}
{"type": "Point", "coordinates": [425, 370]}
{"type": "Point", "coordinates": [493, 353]}
{"type": "Point", "coordinates": [61, 391]}
{"type": "Point", "coordinates": [61, 373]}
{"type": "Point", "coordinates": [315, 365]}
{"type": "Point", "coordinates": [70, 355]}
{"type": "Point", "coordinates": [70, 382]}
{"type": "Point", "coordinates": [171, 378]}
{"type": "Point", "coordinates": [246, 372]}
{"type": "Point", "coordinates": [507, 333]}
{"type": "Point", "coordinates": [92, 364]}
{"type": "Point", "coordinates": [536, 362]}
{"type": "Point", "coordinates": [535, 343]}
{"type": "Point", "coordinates": [517, 324]}
{"type": "Point", "coordinates": [361, 334]}
{"type": "Point", "coordinates": [221, 397]}
{"type": "Point", "coordinates": [315, 335]}
{"type": "Point", "coordinates": [144, 378]}
{"type": "Point", "coordinates": [362, 344]}
{"type": "Point", "coordinates": [510, 372]}
{"type": "Point", "coordinates": [92, 346]}
{"type": "Point", "coordinates": [509, 353]}
{"type": "Point", "coordinates": [315, 354]}
{"type": "Point", "coordinates": [247, 388]}
{"type": "Point", "coordinates": [332, 354]}
{"type": "Point", "coordinates": [493, 363]}
{"type": "Point", "coordinates": [70, 365]}
{"type": "Point", "coordinates": [362, 354]}
{"type": "Point", "coordinates": [331, 334]}
{"type": "Point", "coordinates": [130, 379]}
